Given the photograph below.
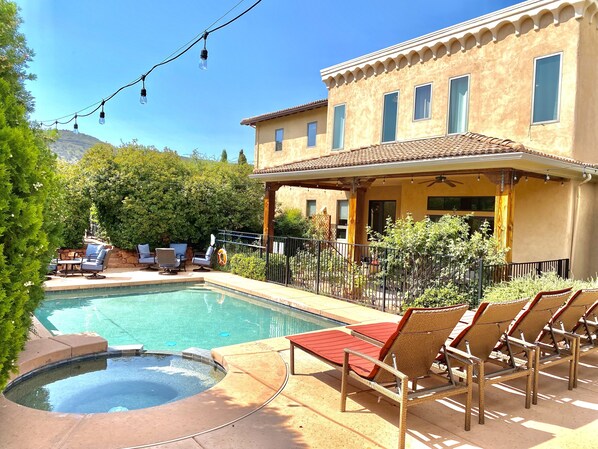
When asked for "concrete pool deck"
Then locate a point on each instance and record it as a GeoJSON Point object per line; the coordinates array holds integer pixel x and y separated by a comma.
{"type": "Point", "coordinates": [259, 405]}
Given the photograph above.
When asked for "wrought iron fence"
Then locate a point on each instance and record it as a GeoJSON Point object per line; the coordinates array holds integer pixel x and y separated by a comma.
{"type": "Point", "coordinates": [381, 278]}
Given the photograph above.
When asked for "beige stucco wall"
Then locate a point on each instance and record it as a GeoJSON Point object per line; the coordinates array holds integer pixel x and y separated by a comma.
{"type": "Point", "coordinates": [294, 146]}
{"type": "Point", "coordinates": [296, 198]}
{"type": "Point", "coordinates": [500, 95]}
{"type": "Point", "coordinates": [586, 111]}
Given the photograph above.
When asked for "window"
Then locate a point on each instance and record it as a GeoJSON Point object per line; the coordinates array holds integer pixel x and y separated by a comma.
{"type": "Point", "coordinates": [458, 99]}
{"type": "Point", "coordinates": [423, 102]}
{"type": "Point", "coordinates": [475, 223]}
{"type": "Point", "coordinates": [547, 87]}
{"type": "Point", "coordinates": [379, 212]}
{"type": "Point", "coordinates": [338, 128]}
{"type": "Point", "coordinates": [342, 219]}
{"type": "Point", "coordinates": [461, 203]}
{"type": "Point", "coordinates": [312, 131]}
{"type": "Point", "coordinates": [278, 136]}
{"type": "Point", "coordinates": [390, 116]}
{"type": "Point", "coordinates": [310, 208]}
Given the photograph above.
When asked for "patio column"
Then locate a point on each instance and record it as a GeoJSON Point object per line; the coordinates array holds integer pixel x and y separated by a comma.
{"type": "Point", "coordinates": [504, 207]}
{"type": "Point", "coordinates": [355, 223]}
{"type": "Point", "coordinates": [269, 207]}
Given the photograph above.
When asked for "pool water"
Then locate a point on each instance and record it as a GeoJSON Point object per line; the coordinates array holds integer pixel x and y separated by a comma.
{"type": "Point", "coordinates": [174, 318]}
{"type": "Point", "coordinates": [114, 384]}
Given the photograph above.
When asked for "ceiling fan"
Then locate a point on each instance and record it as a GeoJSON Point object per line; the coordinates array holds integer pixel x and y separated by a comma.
{"type": "Point", "coordinates": [441, 179]}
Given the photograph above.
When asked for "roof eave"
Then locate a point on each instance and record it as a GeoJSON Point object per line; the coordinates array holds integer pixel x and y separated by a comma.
{"type": "Point", "coordinates": [516, 160]}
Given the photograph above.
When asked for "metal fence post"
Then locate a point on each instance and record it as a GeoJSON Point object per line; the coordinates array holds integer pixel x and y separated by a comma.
{"type": "Point", "coordinates": [480, 280]}
{"type": "Point", "coordinates": [267, 258]}
{"type": "Point", "coordinates": [318, 267]}
{"type": "Point", "coordinates": [287, 261]}
{"type": "Point", "coordinates": [384, 275]}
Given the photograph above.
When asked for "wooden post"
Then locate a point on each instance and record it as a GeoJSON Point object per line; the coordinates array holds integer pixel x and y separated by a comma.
{"type": "Point", "coordinates": [503, 214]}
{"type": "Point", "coordinates": [269, 207]}
{"type": "Point", "coordinates": [355, 225]}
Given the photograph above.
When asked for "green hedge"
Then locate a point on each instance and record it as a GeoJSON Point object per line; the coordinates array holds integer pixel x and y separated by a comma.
{"type": "Point", "coordinates": [251, 267]}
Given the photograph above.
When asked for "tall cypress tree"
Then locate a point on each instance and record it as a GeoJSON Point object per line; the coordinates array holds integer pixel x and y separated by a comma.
{"type": "Point", "coordinates": [27, 175]}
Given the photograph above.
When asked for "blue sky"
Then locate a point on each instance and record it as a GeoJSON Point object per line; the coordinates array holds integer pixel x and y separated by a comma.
{"type": "Point", "coordinates": [268, 60]}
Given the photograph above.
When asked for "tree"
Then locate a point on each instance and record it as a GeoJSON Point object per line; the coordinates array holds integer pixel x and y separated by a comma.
{"type": "Point", "coordinates": [27, 177]}
{"type": "Point", "coordinates": [242, 159]}
{"type": "Point", "coordinates": [223, 156]}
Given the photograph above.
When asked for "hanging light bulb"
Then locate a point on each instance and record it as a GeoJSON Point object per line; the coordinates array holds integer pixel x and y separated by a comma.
{"type": "Point", "coordinates": [203, 56]}
{"type": "Point", "coordinates": [102, 119]}
{"type": "Point", "coordinates": [76, 126]}
{"type": "Point", "coordinates": [546, 178]}
{"type": "Point", "coordinates": [478, 176]}
{"type": "Point", "coordinates": [412, 180]}
{"type": "Point", "coordinates": [383, 181]}
{"type": "Point", "coordinates": [143, 96]}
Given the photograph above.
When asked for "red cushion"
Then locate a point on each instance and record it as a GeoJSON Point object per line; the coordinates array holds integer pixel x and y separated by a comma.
{"type": "Point", "coordinates": [330, 345]}
{"type": "Point", "coordinates": [376, 331]}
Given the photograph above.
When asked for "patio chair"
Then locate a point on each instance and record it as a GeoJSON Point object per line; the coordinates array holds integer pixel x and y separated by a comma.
{"type": "Point", "coordinates": [486, 329]}
{"type": "Point", "coordinates": [574, 318]}
{"type": "Point", "coordinates": [146, 257]}
{"type": "Point", "coordinates": [96, 265]}
{"type": "Point", "coordinates": [181, 253]}
{"type": "Point", "coordinates": [92, 251]}
{"type": "Point", "coordinates": [407, 356]}
{"type": "Point", "coordinates": [167, 261]}
{"type": "Point", "coordinates": [205, 260]}
{"type": "Point", "coordinates": [528, 326]}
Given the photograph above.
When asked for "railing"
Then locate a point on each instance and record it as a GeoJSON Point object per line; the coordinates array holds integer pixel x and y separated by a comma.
{"type": "Point", "coordinates": [381, 278]}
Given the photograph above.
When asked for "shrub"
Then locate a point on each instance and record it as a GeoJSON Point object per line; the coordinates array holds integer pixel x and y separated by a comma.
{"type": "Point", "coordinates": [252, 267]}
{"type": "Point", "coordinates": [291, 223]}
{"type": "Point", "coordinates": [529, 286]}
{"type": "Point", "coordinates": [447, 295]}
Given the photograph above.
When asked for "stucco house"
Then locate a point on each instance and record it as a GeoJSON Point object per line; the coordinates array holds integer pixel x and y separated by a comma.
{"type": "Point", "coordinates": [496, 116]}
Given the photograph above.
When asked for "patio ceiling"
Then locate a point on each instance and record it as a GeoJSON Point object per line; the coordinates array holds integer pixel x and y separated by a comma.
{"type": "Point", "coordinates": [462, 153]}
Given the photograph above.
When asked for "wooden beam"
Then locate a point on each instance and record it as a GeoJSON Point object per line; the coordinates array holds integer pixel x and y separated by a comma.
{"type": "Point", "coordinates": [355, 225]}
{"type": "Point", "coordinates": [269, 207]}
{"type": "Point", "coordinates": [504, 208]}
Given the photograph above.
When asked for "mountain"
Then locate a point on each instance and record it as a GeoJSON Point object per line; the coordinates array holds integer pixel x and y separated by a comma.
{"type": "Point", "coordinates": [71, 146]}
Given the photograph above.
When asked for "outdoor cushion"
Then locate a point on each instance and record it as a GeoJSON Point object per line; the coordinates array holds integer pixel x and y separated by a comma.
{"type": "Point", "coordinates": [180, 250]}
{"type": "Point", "coordinates": [144, 252]}
{"type": "Point", "coordinates": [92, 250]}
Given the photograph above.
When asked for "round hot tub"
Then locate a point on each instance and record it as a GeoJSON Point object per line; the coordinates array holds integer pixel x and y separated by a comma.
{"type": "Point", "coordinates": [113, 383]}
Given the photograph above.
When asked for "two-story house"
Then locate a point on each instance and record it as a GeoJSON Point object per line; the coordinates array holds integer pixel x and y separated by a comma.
{"type": "Point", "coordinates": [496, 116]}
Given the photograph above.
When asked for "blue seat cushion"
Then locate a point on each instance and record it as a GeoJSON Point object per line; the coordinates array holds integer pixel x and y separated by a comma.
{"type": "Point", "coordinates": [180, 250]}
{"type": "Point", "coordinates": [144, 252]}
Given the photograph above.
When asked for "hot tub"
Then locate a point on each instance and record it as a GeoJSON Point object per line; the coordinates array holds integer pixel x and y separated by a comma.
{"type": "Point", "coordinates": [113, 382]}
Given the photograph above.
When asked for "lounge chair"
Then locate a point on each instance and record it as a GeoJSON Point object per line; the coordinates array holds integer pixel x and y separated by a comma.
{"type": "Point", "coordinates": [205, 260]}
{"type": "Point", "coordinates": [167, 260]}
{"type": "Point", "coordinates": [574, 317]}
{"type": "Point", "coordinates": [407, 356]}
{"type": "Point", "coordinates": [181, 253]}
{"type": "Point", "coordinates": [96, 265]}
{"type": "Point", "coordinates": [146, 257]}
{"type": "Point", "coordinates": [587, 330]}
{"type": "Point", "coordinates": [486, 329]}
{"type": "Point", "coordinates": [528, 326]}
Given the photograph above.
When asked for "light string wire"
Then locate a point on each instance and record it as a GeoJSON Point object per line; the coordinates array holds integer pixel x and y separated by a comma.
{"type": "Point", "coordinates": [173, 56]}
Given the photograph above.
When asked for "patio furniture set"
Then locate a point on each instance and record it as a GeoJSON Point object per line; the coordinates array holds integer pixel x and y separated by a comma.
{"type": "Point", "coordinates": [94, 261]}
{"type": "Point", "coordinates": [433, 353]}
{"type": "Point", "coordinates": [173, 259]}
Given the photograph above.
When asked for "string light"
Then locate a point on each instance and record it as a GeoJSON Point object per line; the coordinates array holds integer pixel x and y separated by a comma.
{"type": "Point", "coordinates": [478, 177]}
{"type": "Point", "coordinates": [96, 106]}
{"type": "Point", "coordinates": [412, 180]}
{"type": "Point", "coordinates": [102, 119]}
{"type": "Point", "coordinates": [143, 95]}
{"type": "Point", "coordinates": [203, 56]}
{"type": "Point", "coordinates": [546, 178]}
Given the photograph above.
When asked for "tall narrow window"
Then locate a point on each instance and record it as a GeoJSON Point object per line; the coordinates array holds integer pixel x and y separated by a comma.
{"type": "Point", "coordinates": [389, 117]}
{"type": "Point", "coordinates": [312, 131]}
{"type": "Point", "coordinates": [342, 219]}
{"type": "Point", "coordinates": [423, 102]}
{"type": "Point", "coordinates": [458, 105]}
{"type": "Point", "coordinates": [547, 88]}
{"type": "Point", "coordinates": [338, 128]}
{"type": "Point", "coordinates": [310, 208]}
{"type": "Point", "coordinates": [278, 136]}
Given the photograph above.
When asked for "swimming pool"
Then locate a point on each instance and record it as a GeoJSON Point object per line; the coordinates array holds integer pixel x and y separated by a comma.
{"type": "Point", "coordinates": [172, 317]}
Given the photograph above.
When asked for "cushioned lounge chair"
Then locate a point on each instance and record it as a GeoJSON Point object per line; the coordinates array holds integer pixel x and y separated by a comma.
{"type": "Point", "coordinates": [181, 253]}
{"type": "Point", "coordinates": [406, 357]}
{"type": "Point", "coordinates": [146, 257]}
{"type": "Point", "coordinates": [167, 260]}
{"type": "Point", "coordinates": [574, 317]}
{"type": "Point", "coordinates": [205, 261]}
{"type": "Point", "coordinates": [486, 329]}
{"type": "Point", "coordinates": [528, 326]}
{"type": "Point", "coordinates": [96, 265]}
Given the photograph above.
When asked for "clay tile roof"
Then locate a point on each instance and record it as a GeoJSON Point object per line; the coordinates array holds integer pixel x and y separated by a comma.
{"type": "Point", "coordinates": [283, 112]}
{"type": "Point", "coordinates": [469, 144]}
